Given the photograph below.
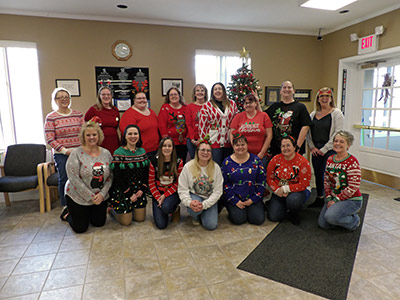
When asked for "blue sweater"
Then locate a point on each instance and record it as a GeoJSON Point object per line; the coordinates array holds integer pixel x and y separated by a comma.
{"type": "Point", "coordinates": [243, 181]}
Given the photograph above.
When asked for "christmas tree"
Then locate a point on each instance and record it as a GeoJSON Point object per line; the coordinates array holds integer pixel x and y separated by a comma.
{"type": "Point", "coordinates": [243, 83]}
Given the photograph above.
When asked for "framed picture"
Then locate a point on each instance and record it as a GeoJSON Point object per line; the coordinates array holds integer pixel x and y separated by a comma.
{"type": "Point", "coordinates": [167, 83]}
{"type": "Point", "coordinates": [302, 95]}
{"type": "Point", "coordinates": [272, 94]}
{"type": "Point", "coordinates": [72, 85]}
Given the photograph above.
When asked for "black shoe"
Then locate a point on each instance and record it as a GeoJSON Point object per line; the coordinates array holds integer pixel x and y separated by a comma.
{"type": "Point", "coordinates": [294, 217]}
{"type": "Point", "coordinates": [319, 202]}
{"type": "Point", "coordinates": [64, 214]}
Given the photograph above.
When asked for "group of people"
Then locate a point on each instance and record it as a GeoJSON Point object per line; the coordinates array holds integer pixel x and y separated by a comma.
{"type": "Point", "coordinates": [234, 159]}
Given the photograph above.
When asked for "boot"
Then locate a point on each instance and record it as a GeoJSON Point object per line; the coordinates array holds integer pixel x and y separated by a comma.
{"type": "Point", "coordinates": [139, 214]}
{"type": "Point", "coordinates": [294, 217]}
{"type": "Point", "coordinates": [319, 202]}
{"type": "Point", "coordinates": [176, 215]}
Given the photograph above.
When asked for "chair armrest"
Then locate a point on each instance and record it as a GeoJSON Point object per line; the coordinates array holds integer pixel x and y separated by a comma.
{"type": "Point", "coordinates": [48, 169]}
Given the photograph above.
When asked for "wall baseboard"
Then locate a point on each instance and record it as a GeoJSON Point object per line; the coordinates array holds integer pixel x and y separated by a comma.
{"type": "Point", "coordinates": [381, 178]}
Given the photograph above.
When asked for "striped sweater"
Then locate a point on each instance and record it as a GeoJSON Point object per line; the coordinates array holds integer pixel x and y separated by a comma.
{"type": "Point", "coordinates": [62, 130]}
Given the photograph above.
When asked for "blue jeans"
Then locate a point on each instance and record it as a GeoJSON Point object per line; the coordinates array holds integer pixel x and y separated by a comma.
{"type": "Point", "coordinates": [319, 164]}
{"type": "Point", "coordinates": [219, 154]}
{"type": "Point", "coordinates": [254, 214]}
{"type": "Point", "coordinates": [278, 206]}
{"type": "Point", "coordinates": [191, 148]}
{"type": "Point", "coordinates": [61, 161]}
{"type": "Point", "coordinates": [161, 214]}
{"type": "Point", "coordinates": [342, 213]}
{"type": "Point", "coordinates": [208, 217]}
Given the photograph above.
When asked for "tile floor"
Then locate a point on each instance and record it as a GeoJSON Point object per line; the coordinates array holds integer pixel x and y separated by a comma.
{"type": "Point", "coordinates": [41, 258]}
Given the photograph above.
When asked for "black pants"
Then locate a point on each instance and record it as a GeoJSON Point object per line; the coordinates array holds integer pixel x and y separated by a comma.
{"type": "Point", "coordinates": [81, 215]}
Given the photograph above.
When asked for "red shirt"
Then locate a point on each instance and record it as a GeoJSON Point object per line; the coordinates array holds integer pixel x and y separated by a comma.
{"type": "Point", "coordinates": [109, 125]}
{"type": "Point", "coordinates": [148, 126]}
{"type": "Point", "coordinates": [172, 123]}
{"type": "Point", "coordinates": [253, 129]}
{"type": "Point", "coordinates": [192, 120]}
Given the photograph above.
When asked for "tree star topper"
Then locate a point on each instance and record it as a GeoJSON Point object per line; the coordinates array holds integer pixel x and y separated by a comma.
{"type": "Point", "coordinates": [244, 53]}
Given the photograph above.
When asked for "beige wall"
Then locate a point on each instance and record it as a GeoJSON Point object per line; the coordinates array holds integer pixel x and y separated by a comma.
{"type": "Point", "coordinates": [72, 48]}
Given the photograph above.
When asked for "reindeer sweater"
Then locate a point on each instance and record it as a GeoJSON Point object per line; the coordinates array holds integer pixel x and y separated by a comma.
{"type": "Point", "coordinates": [342, 179]}
{"type": "Point", "coordinates": [296, 173]}
{"type": "Point", "coordinates": [172, 123]}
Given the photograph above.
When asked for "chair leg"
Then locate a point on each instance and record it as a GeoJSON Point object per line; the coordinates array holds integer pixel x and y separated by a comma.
{"type": "Point", "coordinates": [48, 198]}
{"type": "Point", "coordinates": [7, 199]}
{"type": "Point", "coordinates": [40, 187]}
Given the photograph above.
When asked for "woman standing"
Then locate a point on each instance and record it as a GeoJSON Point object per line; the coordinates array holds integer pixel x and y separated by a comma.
{"type": "Point", "coordinates": [172, 122]}
{"type": "Point", "coordinates": [255, 125]}
{"type": "Point", "coordinates": [199, 97]}
{"type": "Point", "coordinates": [130, 168]}
{"type": "Point", "coordinates": [288, 175]}
{"type": "Point", "coordinates": [215, 118]}
{"type": "Point", "coordinates": [164, 171]}
{"type": "Point", "coordinates": [109, 118]}
{"type": "Point", "coordinates": [139, 114]}
{"type": "Point", "coordinates": [326, 121]}
{"type": "Point", "coordinates": [288, 117]}
{"type": "Point", "coordinates": [89, 179]}
{"type": "Point", "coordinates": [244, 184]}
{"type": "Point", "coordinates": [62, 127]}
{"type": "Point", "coordinates": [200, 187]}
{"type": "Point", "coordinates": [342, 186]}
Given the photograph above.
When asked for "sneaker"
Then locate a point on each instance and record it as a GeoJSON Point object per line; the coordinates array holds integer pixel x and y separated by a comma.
{"type": "Point", "coordinates": [176, 215]}
{"type": "Point", "coordinates": [196, 221]}
{"type": "Point", "coordinates": [64, 214]}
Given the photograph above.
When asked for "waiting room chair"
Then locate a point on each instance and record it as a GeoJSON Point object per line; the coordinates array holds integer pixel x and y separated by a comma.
{"type": "Point", "coordinates": [50, 181]}
{"type": "Point", "coordinates": [22, 171]}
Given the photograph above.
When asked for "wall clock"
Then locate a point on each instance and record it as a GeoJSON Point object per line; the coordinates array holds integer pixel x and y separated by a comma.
{"type": "Point", "coordinates": [121, 50]}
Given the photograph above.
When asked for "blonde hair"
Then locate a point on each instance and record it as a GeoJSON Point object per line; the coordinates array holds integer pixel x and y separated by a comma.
{"type": "Point", "coordinates": [346, 135]}
{"type": "Point", "coordinates": [91, 125]}
{"type": "Point", "coordinates": [99, 104]}
{"type": "Point", "coordinates": [194, 92]}
{"type": "Point", "coordinates": [320, 91]}
{"type": "Point", "coordinates": [195, 168]}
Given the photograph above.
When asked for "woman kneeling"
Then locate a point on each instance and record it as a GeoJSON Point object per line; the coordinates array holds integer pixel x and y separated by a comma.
{"type": "Point", "coordinates": [288, 175]}
{"type": "Point", "coordinates": [89, 179]}
{"type": "Point", "coordinates": [200, 187]}
{"type": "Point", "coordinates": [244, 184]}
{"type": "Point", "coordinates": [342, 182]}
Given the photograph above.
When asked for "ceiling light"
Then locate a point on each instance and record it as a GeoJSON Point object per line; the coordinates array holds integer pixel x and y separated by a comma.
{"type": "Point", "coordinates": [326, 4]}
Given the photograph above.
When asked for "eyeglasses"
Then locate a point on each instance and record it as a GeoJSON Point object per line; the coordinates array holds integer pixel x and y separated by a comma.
{"type": "Point", "coordinates": [62, 98]}
{"type": "Point", "coordinates": [205, 150]}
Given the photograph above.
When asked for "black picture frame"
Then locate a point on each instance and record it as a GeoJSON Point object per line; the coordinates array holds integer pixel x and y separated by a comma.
{"type": "Point", "coordinates": [272, 94]}
{"type": "Point", "coordinates": [303, 95]}
{"type": "Point", "coordinates": [71, 85]}
{"type": "Point", "coordinates": [167, 83]}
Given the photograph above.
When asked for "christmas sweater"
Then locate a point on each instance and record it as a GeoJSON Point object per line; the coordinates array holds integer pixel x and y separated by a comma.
{"type": "Point", "coordinates": [342, 179]}
{"type": "Point", "coordinates": [253, 129]}
{"type": "Point", "coordinates": [203, 187]}
{"type": "Point", "coordinates": [192, 120]}
{"type": "Point", "coordinates": [166, 185]}
{"type": "Point", "coordinates": [172, 123]}
{"type": "Point", "coordinates": [131, 173]}
{"type": "Point", "coordinates": [109, 125]}
{"type": "Point", "coordinates": [243, 181]}
{"type": "Point", "coordinates": [62, 130]}
{"type": "Point", "coordinates": [216, 123]}
{"type": "Point", "coordinates": [88, 175]}
{"type": "Point", "coordinates": [294, 173]}
{"type": "Point", "coordinates": [148, 127]}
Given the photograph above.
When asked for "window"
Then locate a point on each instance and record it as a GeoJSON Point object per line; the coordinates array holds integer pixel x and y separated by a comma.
{"type": "Point", "coordinates": [215, 66]}
{"type": "Point", "coordinates": [21, 116]}
{"type": "Point", "coordinates": [381, 107]}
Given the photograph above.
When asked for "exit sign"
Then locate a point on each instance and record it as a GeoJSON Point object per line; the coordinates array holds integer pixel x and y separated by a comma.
{"type": "Point", "coordinates": [368, 44]}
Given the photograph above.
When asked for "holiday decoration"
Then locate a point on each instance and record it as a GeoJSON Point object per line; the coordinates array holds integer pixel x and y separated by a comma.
{"type": "Point", "coordinates": [243, 82]}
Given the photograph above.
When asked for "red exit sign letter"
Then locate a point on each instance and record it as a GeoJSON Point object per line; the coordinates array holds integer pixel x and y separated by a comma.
{"type": "Point", "coordinates": [368, 44]}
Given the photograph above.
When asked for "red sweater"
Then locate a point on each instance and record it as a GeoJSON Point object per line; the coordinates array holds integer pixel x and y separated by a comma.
{"type": "Point", "coordinates": [148, 127]}
{"type": "Point", "coordinates": [192, 120]}
{"type": "Point", "coordinates": [109, 125]}
{"type": "Point", "coordinates": [172, 123]}
{"type": "Point", "coordinates": [342, 179]}
{"type": "Point", "coordinates": [296, 173]}
{"type": "Point", "coordinates": [157, 189]}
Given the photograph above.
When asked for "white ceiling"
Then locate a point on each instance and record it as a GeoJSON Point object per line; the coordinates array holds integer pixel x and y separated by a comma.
{"type": "Point", "coordinates": [282, 16]}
